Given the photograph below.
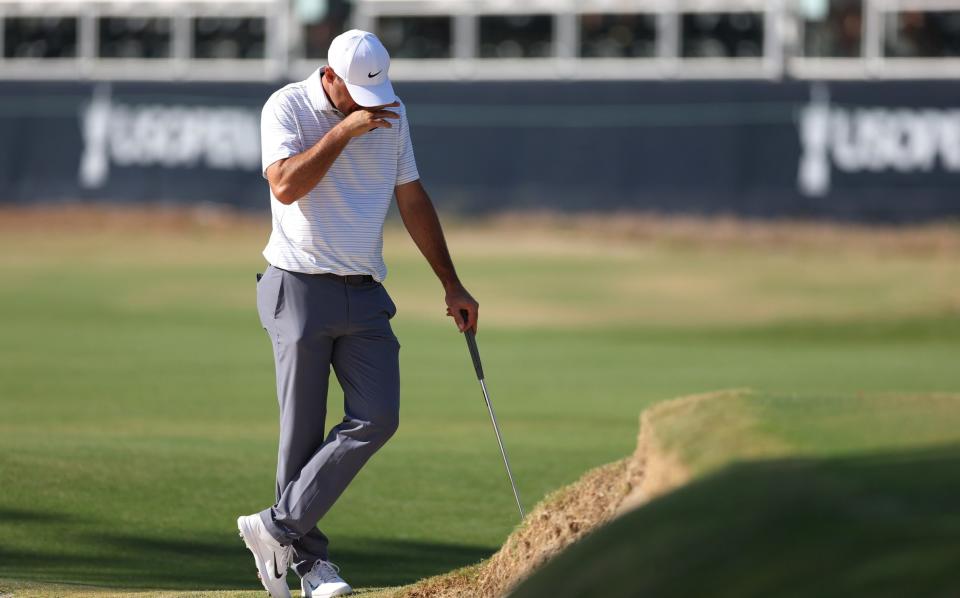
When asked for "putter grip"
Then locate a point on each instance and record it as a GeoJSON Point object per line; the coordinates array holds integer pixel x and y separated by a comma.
{"type": "Point", "coordinates": [472, 345]}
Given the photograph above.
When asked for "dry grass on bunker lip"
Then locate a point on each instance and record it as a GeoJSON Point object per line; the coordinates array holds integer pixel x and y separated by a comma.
{"type": "Point", "coordinates": [559, 520]}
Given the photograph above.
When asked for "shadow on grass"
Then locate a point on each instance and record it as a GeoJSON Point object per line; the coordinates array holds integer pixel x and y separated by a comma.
{"type": "Point", "coordinates": [884, 525]}
{"type": "Point", "coordinates": [12, 515]}
{"type": "Point", "coordinates": [129, 561]}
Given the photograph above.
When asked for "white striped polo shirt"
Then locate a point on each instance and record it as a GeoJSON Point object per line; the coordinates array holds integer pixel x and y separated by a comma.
{"type": "Point", "coordinates": [338, 226]}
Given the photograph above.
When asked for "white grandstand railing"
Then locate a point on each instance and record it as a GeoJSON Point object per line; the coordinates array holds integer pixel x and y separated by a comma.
{"type": "Point", "coordinates": [874, 64]}
{"type": "Point", "coordinates": [180, 65]}
{"type": "Point", "coordinates": [283, 57]}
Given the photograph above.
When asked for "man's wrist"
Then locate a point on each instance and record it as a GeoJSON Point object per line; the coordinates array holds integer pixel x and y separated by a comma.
{"type": "Point", "coordinates": [451, 284]}
{"type": "Point", "coordinates": [340, 134]}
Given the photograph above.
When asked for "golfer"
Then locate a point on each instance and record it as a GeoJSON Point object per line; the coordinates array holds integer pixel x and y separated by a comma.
{"type": "Point", "coordinates": [336, 148]}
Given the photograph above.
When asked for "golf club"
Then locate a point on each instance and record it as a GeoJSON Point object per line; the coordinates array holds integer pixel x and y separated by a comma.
{"type": "Point", "coordinates": [475, 355]}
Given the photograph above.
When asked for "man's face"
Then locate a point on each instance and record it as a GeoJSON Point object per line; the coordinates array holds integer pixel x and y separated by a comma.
{"type": "Point", "coordinates": [337, 90]}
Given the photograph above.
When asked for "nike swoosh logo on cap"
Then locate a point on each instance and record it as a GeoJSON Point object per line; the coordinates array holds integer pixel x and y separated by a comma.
{"type": "Point", "coordinates": [372, 75]}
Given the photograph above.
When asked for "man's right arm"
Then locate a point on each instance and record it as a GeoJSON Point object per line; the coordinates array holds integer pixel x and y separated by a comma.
{"type": "Point", "coordinates": [292, 178]}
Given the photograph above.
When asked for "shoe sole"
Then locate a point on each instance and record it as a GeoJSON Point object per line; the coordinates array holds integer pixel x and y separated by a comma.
{"type": "Point", "coordinates": [340, 592]}
{"type": "Point", "coordinates": [250, 540]}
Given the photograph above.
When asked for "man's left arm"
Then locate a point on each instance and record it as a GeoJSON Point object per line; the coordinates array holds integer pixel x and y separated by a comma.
{"type": "Point", "coordinates": [420, 219]}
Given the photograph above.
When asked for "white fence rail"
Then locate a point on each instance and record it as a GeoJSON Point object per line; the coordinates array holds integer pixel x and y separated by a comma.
{"type": "Point", "coordinates": [262, 40]}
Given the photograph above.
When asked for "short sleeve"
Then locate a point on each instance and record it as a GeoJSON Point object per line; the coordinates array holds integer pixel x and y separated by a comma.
{"type": "Point", "coordinates": [279, 132]}
{"type": "Point", "coordinates": [406, 163]}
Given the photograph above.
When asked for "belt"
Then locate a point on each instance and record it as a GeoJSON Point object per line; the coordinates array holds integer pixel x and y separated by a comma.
{"type": "Point", "coordinates": [350, 279]}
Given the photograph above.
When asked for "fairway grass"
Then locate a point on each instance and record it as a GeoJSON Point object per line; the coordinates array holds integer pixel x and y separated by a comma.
{"type": "Point", "coordinates": [47, 590]}
{"type": "Point", "coordinates": [137, 414]}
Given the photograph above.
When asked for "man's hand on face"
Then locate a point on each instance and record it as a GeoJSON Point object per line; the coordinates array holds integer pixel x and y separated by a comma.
{"type": "Point", "coordinates": [364, 120]}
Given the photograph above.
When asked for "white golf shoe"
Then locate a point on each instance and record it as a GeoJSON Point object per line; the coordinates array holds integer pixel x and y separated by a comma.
{"type": "Point", "coordinates": [272, 559]}
{"type": "Point", "coordinates": [323, 581]}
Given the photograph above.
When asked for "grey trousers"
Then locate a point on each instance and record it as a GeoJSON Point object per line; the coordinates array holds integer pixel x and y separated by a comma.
{"type": "Point", "coordinates": [314, 323]}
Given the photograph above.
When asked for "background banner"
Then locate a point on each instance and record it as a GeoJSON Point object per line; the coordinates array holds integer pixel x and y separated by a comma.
{"type": "Point", "coordinates": [873, 151]}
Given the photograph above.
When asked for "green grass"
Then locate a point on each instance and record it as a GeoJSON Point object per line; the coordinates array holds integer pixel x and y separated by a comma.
{"type": "Point", "coordinates": [137, 415]}
{"type": "Point", "coordinates": [818, 496]}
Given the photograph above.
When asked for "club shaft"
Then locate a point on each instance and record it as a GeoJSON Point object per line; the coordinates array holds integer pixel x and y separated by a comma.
{"type": "Point", "coordinates": [503, 451]}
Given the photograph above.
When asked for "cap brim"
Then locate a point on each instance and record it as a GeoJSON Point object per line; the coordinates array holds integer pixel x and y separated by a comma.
{"type": "Point", "coordinates": [372, 95]}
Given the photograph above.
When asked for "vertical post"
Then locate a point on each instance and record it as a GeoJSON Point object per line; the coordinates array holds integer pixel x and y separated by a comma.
{"type": "Point", "coordinates": [3, 32]}
{"type": "Point", "coordinates": [278, 40]}
{"type": "Point", "coordinates": [182, 49]}
{"type": "Point", "coordinates": [872, 36]}
{"type": "Point", "coordinates": [87, 42]}
{"type": "Point", "coordinates": [774, 24]}
{"type": "Point", "coordinates": [465, 41]}
{"type": "Point", "coordinates": [668, 38]}
{"type": "Point", "coordinates": [361, 17]}
{"type": "Point", "coordinates": [296, 46]}
{"type": "Point", "coordinates": [566, 41]}
{"type": "Point", "coordinates": [464, 36]}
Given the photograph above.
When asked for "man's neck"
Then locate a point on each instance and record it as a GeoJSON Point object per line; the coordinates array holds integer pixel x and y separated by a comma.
{"type": "Point", "coordinates": [323, 86]}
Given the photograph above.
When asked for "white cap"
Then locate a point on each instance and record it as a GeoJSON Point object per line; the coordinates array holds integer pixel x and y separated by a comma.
{"type": "Point", "coordinates": [362, 62]}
